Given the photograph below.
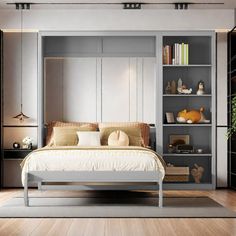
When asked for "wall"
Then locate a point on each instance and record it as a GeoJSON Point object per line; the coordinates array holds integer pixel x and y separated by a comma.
{"type": "Point", "coordinates": [70, 20]}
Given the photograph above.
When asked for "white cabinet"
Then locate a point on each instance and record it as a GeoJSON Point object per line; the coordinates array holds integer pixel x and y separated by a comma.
{"type": "Point", "coordinates": [115, 89]}
{"type": "Point", "coordinates": [105, 89]}
{"type": "Point", "coordinates": [79, 89]}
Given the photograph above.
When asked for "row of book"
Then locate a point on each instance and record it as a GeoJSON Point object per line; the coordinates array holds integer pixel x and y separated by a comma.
{"type": "Point", "coordinates": [177, 54]}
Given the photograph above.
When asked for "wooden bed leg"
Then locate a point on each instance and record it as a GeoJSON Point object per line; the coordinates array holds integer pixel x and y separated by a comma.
{"type": "Point", "coordinates": [26, 198]}
{"type": "Point", "coordinates": [160, 194]}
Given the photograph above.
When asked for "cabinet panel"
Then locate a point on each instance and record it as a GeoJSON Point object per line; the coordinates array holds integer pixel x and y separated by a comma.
{"type": "Point", "coordinates": [12, 173]}
{"type": "Point", "coordinates": [222, 157]}
{"type": "Point", "coordinates": [115, 89]}
{"type": "Point", "coordinates": [53, 89]}
{"type": "Point", "coordinates": [222, 79]}
{"type": "Point", "coordinates": [149, 85]}
{"type": "Point", "coordinates": [79, 89]}
{"type": "Point", "coordinates": [12, 75]}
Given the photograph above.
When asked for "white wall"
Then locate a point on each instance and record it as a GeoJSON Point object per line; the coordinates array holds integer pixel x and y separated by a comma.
{"type": "Point", "coordinates": [116, 19]}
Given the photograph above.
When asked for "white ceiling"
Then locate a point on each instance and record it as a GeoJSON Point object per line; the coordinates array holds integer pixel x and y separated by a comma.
{"type": "Point", "coordinates": [228, 4]}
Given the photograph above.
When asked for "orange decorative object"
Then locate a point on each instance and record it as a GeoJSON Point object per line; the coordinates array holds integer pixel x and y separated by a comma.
{"type": "Point", "coordinates": [192, 116]}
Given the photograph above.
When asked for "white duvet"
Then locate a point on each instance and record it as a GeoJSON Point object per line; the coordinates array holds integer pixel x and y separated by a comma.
{"type": "Point", "coordinates": [93, 159]}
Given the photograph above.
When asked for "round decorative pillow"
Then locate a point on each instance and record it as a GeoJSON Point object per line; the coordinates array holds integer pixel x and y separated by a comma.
{"type": "Point", "coordinates": [118, 138]}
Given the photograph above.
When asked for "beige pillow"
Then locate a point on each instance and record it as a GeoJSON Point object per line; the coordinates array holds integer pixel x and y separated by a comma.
{"type": "Point", "coordinates": [118, 138]}
{"type": "Point", "coordinates": [52, 124]}
{"type": "Point", "coordinates": [134, 134]}
{"type": "Point", "coordinates": [145, 129]}
{"type": "Point", "coordinates": [66, 136]}
{"type": "Point", "coordinates": [88, 138]}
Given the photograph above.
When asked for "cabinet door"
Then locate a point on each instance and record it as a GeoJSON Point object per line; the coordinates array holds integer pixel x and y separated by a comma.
{"type": "Point", "coordinates": [80, 89]}
{"type": "Point", "coordinates": [222, 157]}
{"type": "Point", "coordinates": [115, 89]}
{"type": "Point", "coordinates": [12, 173]}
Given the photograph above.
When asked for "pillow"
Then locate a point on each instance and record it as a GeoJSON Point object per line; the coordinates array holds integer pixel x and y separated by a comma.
{"type": "Point", "coordinates": [88, 138]}
{"type": "Point", "coordinates": [118, 138]}
{"type": "Point", "coordinates": [145, 129]}
{"type": "Point", "coordinates": [53, 124]}
{"type": "Point", "coordinates": [66, 136]}
{"type": "Point", "coordinates": [134, 134]}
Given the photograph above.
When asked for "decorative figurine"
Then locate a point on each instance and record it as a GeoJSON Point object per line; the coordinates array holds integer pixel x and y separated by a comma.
{"type": "Point", "coordinates": [180, 84]}
{"type": "Point", "coordinates": [168, 88]}
{"type": "Point", "coordinates": [182, 88]}
{"type": "Point", "coordinates": [27, 143]}
{"type": "Point", "coordinates": [16, 145]}
{"type": "Point", "coordinates": [201, 88]}
{"type": "Point", "coordinates": [173, 87]}
{"type": "Point", "coordinates": [192, 116]}
{"type": "Point", "coordinates": [197, 173]}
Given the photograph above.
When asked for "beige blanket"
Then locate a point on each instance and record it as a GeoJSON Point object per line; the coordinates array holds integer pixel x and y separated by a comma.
{"type": "Point", "coordinates": [102, 158]}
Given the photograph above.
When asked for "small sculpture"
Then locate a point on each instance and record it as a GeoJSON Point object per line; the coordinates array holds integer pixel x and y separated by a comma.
{"type": "Point", "coordinates": [197, 173]}
{"type": "Point", "coordinates": [173, 87]}
{"type": "Point", "coordinates": [182, 88]}
{"type": "Point", "coordinates": [168, 88]}
{"type": "Point", "coordinates": [27, 143]}
{"type": "Point", "coordinates": [201, 88]}
{"type": "Point", "coordinates": [192, 116]}
{"type": "Point", "coordinates": [180, 84]}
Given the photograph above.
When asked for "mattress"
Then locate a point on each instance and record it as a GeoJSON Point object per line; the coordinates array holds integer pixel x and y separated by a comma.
{"type": "Point", "coordinates": [102, 158]}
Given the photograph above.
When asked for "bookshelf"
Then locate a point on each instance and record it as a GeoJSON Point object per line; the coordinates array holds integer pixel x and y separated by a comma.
{"type": "Point", "coordinates": [201, 66]}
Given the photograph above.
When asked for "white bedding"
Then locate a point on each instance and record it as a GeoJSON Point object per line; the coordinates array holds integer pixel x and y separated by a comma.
{"type": "Point", "coordinates": [93, 159]}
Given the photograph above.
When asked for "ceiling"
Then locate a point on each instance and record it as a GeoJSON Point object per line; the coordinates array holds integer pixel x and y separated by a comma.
{"type": "Point", "coordinates": [228, 4]}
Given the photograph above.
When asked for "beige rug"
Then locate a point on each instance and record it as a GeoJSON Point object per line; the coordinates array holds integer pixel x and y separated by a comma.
{"type": "Point", "coordinates": [113, 204]}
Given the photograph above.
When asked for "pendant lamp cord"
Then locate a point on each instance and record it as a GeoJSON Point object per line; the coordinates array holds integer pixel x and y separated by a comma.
{"type": "Point", "coordinates": [21, 53]}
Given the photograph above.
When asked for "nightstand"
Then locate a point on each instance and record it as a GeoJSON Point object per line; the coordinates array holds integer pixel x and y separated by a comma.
{"type": "Point", "coordinates": [11, 166]}
{"type": "Point", "coordinates": [16, 153]}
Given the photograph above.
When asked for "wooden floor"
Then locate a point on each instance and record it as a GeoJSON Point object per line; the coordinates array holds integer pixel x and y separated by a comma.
{"type": "Point", "coordinates": [129, 227]}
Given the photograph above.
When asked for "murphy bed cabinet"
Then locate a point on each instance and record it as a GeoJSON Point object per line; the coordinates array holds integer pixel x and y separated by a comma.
{"type": "Point", "coordinates": [141, 54]}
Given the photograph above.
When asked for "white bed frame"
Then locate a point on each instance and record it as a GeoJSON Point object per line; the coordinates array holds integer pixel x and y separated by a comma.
{"type": "Point", "coordinates": [102, 180]}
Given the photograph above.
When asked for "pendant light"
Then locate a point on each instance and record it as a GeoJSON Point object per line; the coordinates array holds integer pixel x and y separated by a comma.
{"type": "Point", "coordinates": [21, 116]}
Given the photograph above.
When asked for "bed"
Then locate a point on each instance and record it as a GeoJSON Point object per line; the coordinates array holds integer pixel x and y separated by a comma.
{"type": "Point", "coordinates": [93, 167]}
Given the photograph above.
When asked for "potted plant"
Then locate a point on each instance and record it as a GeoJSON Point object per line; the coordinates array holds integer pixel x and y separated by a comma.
{"type": "Point", "coordinates": [232, 128]}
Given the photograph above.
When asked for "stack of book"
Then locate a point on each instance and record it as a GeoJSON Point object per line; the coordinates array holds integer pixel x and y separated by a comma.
{"type": "Point", "coordinates": [177, 54]}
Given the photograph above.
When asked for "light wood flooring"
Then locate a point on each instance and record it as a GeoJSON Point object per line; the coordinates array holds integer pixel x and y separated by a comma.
{"type": "Point", "coordinates": [125, 227]}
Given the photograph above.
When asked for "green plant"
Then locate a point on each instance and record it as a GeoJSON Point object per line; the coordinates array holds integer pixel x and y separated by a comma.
{"type": "Point", "coordinates": [232, 129]}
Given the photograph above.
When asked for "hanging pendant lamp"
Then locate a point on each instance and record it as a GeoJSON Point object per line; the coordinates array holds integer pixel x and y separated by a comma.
{"type": "Point", "coordinates": [21, 116]}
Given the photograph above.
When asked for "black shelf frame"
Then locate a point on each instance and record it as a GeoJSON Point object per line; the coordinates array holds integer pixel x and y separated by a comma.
{"type": "Point", "coordinates": [231, 95]}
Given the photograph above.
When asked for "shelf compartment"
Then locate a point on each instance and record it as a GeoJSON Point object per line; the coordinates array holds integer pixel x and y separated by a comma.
{"type": "Point", "coordinates": [189, 75]}
{"type": "Point", "coordinates": [189, 103]}
{"type": "Point", "coordinates": [190, 161]}
{"type": "Point", "coordinates": [199, 47]}
{"type": "Point", "coordinates": [199, 138]}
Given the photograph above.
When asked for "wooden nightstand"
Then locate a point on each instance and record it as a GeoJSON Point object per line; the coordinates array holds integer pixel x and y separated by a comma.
{"type": "Point", "coordinates": [11, 166]}
{"type": "Point", "coordinates": [16, 153]}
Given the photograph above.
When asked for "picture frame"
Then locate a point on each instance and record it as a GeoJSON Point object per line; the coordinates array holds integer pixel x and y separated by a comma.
{"type": "Point", "coordinates": [178, 139]}
{"type": "Point", "coordinates": [170, 119]}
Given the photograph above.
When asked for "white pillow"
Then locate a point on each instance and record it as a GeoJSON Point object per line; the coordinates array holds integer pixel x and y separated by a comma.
{"type": "Point", "coordinates": [88, 138]}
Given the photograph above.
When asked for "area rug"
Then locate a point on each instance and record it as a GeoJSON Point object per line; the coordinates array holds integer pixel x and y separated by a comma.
{"type": "Point", "coordinates": [114, 205]}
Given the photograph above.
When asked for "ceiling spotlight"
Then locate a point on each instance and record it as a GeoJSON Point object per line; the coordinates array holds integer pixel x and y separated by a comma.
{"type": "Point", "coordinates": [23, 5]}
{"type": "Point", "coordinates": [132, 5]}
{"type": "Point", "coordinates": [181, 5]}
